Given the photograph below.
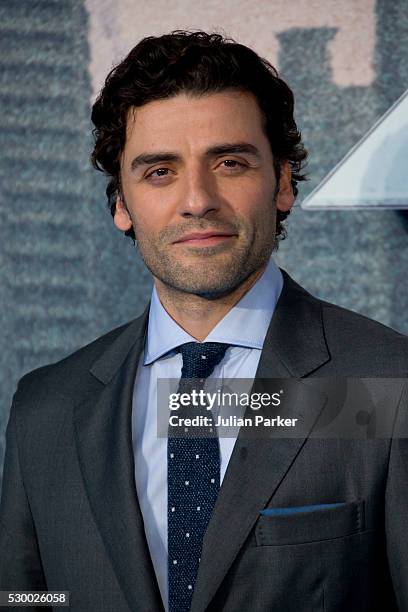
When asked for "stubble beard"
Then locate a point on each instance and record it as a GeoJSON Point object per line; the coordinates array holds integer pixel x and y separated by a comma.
{"type": "Point", "coordinates": [212, 272]}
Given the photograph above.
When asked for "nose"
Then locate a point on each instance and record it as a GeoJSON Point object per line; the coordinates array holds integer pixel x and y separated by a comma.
{"type": "Point", "coordinates": [198, 195]}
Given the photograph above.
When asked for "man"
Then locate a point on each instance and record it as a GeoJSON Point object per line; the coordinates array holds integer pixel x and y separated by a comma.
{"type": "Point", "coordinates": [197, 136]}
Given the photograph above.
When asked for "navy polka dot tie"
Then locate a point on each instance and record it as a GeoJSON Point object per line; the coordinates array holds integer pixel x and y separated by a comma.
{"type": "Point", "coordinates": [193, 460]}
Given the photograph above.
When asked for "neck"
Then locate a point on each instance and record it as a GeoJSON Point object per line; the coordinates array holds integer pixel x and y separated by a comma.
{"type": "Point", "coordinates": [198, 315]}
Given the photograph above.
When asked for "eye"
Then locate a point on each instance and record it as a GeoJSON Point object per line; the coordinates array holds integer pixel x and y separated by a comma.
{"type": "Point", "coordinates": [160, 172]}
{"type": "Point", "coordinates": [232, 164]}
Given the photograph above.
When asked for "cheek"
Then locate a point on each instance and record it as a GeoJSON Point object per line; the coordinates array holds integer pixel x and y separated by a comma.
{"type": "Point", "coordinates": [253, 201]}
{"type": "Point", "coordinates": [146, 220]}
{"type": "Point", "coordinates": [149, 214]}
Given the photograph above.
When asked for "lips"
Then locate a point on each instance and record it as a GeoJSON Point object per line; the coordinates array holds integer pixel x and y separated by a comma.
{"type": "Point", "coordinates": [202, 236]}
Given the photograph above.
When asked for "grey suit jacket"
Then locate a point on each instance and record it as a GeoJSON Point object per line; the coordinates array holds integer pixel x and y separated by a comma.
{"type": "Point", "coordinates": [70, 518]}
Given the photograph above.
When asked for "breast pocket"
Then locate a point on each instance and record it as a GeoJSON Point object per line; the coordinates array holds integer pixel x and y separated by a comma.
{"type": "Point", "coordinates": [309, 523]}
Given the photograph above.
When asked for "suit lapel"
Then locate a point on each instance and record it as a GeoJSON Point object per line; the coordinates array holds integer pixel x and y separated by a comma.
{"type": "Point", "coordinates": [294, 347]}
{"type": "Point", "coordinates": [104, 444]}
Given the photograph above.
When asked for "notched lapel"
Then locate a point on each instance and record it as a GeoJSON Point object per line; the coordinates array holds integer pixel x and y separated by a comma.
{"type": "Point", "coordinates": [104, 444]}
{"type": "Point", "coordinates": [295, 344]}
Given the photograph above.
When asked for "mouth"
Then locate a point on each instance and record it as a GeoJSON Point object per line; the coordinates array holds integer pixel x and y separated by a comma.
{"type": "Point", "coordinates": [204, 239]}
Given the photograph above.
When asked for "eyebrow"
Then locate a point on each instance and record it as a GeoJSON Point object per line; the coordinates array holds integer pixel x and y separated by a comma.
{"type": "Point", "coordinates": [145, 159]}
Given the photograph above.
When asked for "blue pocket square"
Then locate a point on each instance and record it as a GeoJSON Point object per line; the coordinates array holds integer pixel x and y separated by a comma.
{"type": "Point", "coordinates": [297, 509]}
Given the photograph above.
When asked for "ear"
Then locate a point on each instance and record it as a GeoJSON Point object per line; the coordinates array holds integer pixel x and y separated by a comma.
{"type": "Point", "coordinates": [121, 217]}
{"type": "Point", "coordinates": [285, 197]}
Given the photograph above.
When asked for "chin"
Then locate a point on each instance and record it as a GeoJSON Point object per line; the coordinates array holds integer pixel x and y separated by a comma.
{"type": "Point", "coordinates": [213, 294]}
{"type": "Point", "coordinates": [210, 291]}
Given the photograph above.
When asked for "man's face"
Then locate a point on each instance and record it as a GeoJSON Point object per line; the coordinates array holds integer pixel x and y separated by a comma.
{"type": "Point", "coordinates": [201, 165]}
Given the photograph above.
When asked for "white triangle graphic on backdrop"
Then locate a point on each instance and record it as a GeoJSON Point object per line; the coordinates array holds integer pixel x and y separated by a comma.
{"type": "Point", "coordinates": [374, 174]}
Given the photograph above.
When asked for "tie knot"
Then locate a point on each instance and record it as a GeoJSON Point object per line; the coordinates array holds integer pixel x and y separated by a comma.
{"type": "Point", "coordinates": [200, 358]}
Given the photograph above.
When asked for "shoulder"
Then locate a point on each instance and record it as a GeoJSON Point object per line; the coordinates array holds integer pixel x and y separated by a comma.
{"type": "Point", "coordinates": [357, 328]}
{"type": "Point", "coordinates": [62, 377]}
{"type": "Point", "coordinates": [340, 316]}
{"type": "Point", "coordinates": [356, 344]}
{"type": "Point", "coordinates": [45, 398]}
{"type": "Point", "coordinates": [357, 338]}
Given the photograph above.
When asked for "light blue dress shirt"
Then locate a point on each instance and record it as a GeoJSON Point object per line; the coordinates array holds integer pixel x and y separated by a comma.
{"type": "Point", "coordinates": [245, 327]}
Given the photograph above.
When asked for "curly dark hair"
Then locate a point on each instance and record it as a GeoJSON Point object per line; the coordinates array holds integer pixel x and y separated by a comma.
{"type": "Point", "coordinates": [199, 63]}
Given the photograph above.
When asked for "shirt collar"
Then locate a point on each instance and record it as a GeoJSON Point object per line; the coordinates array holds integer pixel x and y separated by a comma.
{"type": "Point", "coordinates": [245, 324]}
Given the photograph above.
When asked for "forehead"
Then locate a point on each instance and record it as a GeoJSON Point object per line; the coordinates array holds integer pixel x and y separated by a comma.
{"type": "Point", "coordinates": [227, 115]}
